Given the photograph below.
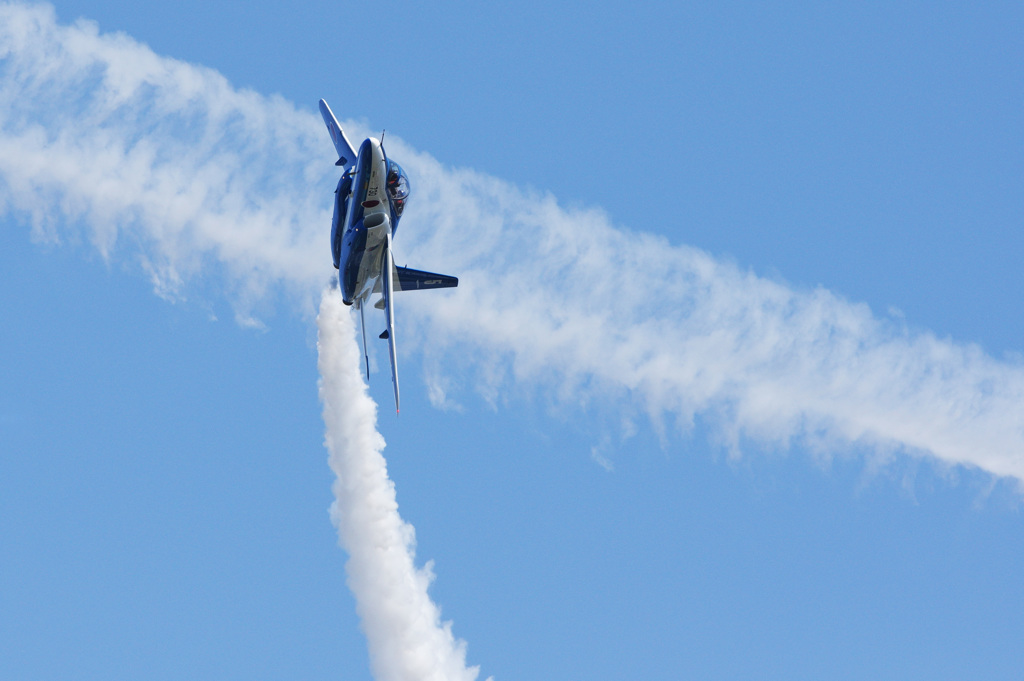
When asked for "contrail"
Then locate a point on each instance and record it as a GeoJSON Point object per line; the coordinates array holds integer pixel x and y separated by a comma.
{"type": "Point", "coordinates": [165, 162]}
{"type": "Point", "coordinates": [403, 627]}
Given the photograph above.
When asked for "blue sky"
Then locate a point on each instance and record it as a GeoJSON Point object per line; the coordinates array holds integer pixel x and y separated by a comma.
{"type": "Point", "coordinates": [163, 484]}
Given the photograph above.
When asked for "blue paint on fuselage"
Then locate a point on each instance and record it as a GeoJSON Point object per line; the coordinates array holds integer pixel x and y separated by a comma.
{"type": "Point", "coordinates": [337, 223]}
{"type": "Point", "coordinates": [348, 233]}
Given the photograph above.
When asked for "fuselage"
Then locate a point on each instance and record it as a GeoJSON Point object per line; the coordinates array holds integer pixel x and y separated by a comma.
{"type": "Point", "coordinates": [365, 219]}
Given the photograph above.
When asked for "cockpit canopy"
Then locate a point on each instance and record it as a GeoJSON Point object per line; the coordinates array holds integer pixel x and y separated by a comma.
{"type": "Point", "coordinates": [398, 186]}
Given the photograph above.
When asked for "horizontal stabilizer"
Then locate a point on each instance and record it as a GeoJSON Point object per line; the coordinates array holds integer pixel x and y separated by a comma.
{"type": "Point", "coordinates": [413, 280]}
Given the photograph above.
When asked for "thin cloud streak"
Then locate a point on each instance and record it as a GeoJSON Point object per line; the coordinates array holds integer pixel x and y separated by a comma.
{"type": "Point", "coordinates": [564, 298]}
{"type": "Point", "coordinates": [164, 161]}
{"type": "Point", "coordinates": [157, 158]}
{"type": "Point", "coordinates": [403, 627]}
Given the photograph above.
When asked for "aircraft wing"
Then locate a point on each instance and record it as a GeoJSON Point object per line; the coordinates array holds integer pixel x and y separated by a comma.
{"type": "Point", "coordinates": [346, 154]}
{"type": "Point", "coordinates": [387, 284]}
{"type": "Point", "coordinates": [406, 279]}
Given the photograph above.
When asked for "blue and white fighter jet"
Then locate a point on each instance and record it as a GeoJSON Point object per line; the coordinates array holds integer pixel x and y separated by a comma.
{"type": "Point", "coordinates": [368, 203]}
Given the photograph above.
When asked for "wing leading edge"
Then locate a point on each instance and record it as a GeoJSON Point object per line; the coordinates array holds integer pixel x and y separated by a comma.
{"type": "Point", "coordinates": [387, 280]}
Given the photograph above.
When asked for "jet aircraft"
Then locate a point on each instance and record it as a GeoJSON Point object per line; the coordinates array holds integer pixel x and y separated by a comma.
{"type": "Point", "coordinates": [368, 202]}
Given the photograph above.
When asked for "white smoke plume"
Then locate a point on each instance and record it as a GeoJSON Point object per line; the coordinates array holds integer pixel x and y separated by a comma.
{"type": "Point", "coordinates": [406, 638]}
{"type": "Point", "coordinates": [160, 160]}
{"type": "Point", "coordinates": [157, 159]}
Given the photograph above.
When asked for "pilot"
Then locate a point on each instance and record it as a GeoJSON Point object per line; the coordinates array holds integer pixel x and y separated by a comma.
{"type": "Point", "coordinates": [396, 189]}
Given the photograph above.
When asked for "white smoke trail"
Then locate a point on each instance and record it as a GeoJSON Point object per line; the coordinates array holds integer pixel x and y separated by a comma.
{"type": "Point", "coordinates": [406, 638]}
{"type": "Point", "coordinates": [161, 160]}
{"type": "Point", "coordinates": [97, 130]}
{"type": "Point", "coordinates": [169, 159]}
{"type": "Point", "coordinates": [629, 319]}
